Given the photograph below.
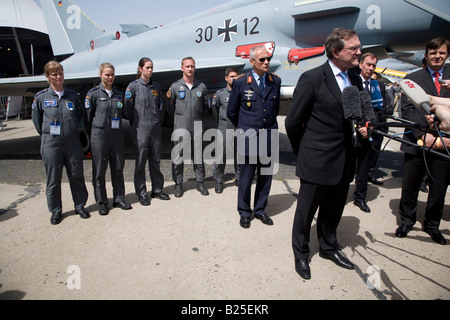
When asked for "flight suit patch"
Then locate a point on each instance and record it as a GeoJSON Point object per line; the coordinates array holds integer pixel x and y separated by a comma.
{"type": "Point", "coordinates": [50, 103]}
{"type": "Point", "coordinates": [128, 94]}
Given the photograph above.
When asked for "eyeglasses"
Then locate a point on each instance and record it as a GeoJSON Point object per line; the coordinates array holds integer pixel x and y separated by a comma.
{"type": "Point", "coordinates": [354, 49]}
{"type": "Point", "coordinates": [264, 59]}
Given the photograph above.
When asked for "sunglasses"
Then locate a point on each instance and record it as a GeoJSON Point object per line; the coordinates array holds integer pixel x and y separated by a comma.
{"type": "Point", "coordinates": [264, 59]}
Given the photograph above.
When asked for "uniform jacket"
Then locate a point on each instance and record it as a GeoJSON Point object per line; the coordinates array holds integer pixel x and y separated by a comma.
{"type": "Point", "coordinates": [219, 106]}
{"type": "Point", "coordinates": [317, 129]}
{"type": "Point", "coordinates": [424, 79]}
{"type": "Point", "coordinates": [248, 108]}
{"type": "Point", "coordinates": [48, 109]}
{"type": "Point", "coordinates": [101, 109]}
{"type": "Point", "coordinates": [187, 105]}
{"type": "Point", "coordinates": [142, 102]}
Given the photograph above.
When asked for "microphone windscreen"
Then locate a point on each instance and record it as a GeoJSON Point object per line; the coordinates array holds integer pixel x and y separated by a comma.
{"type": "Point", "coordinates": [351, 103]}
{"type": "Point", "coordinates": [367, 112]}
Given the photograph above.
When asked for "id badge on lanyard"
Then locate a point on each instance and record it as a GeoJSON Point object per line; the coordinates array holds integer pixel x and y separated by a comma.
{"type": "Point", "coordinates": [55, 128]}
{"type": "Point", "coordinates": [115, 123]}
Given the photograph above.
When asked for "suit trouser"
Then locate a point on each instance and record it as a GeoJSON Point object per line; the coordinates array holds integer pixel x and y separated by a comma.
{"type": "Point", "coordinates": [413, 172]}
{"type": "Point", "coordinates": [378, 141]}
{"type": "Point", "coordinates": [331, 202]}
{"type": "Point", "coordinates": [108, 147]}
{"type": "Point", "coordinates": [262, 190]}
{"type": "Point", "coordinates": [229, 146]}
{"type": "Point", "coordinates": [365, 156]}
{"type": "Point", "coordinates": [147, 148]}
{"type": "Point", "coordinates": [58, 152]}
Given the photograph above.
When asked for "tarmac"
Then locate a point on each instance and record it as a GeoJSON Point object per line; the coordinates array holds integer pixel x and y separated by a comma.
{"type": "Point", "coordinates": [193, 248]}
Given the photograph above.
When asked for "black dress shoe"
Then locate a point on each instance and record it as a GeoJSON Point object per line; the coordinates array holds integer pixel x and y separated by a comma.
{"type": "Point", "coordinates": [245, 222]}
{"type": "Point", "coordinates": [302, 268]}
{"type": "Point", "coordinates": [264, 219]}
{"type": "Point", "coordinates": [178, 193]}
{"type": "Point", "coordinates": [201, 188]}
{"type": "Point", "coordinates": [144, 201]}
{"type": "Point", "coordinates": [362, 205]}
{"type": "Point", "coordinates": [403, 230]}
{"type": "Point", "coordinates": [56, 217]}
{"type": "Point", "coordinates": [84, 214]}
{"type": "Point", "coordinates": [160, 195]}
{"type": "Point", "coordinates": [219, 187]}
{"type": "Point", "coordinates": [103, 209]}
{"type": "Point", "coordinates": [436, 235]}
{"type": "Point", "coordinates": [375, 181]}
{"type": "Point", "coordinates": [338, 258]}
{"type": "Point", "coordinates": [122, 205]}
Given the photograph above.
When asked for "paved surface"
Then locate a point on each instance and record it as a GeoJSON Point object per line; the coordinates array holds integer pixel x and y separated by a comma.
{"type": "Point", "coordinates": [192, 248]}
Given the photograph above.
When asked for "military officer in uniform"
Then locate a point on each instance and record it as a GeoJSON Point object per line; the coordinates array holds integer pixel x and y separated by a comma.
{"type": "Point", "coordinates": [104, 109]}
{"type": "Point", "coordinates": [254, 105]}
{"type": "Point", "coordinates": [219, 108]}
{"type": "Point", "coordinates": [188, 100]}
{"type": "Point", "coordinates": [56, 114]}
{"type": "Point", "coordinates": [142, 104]}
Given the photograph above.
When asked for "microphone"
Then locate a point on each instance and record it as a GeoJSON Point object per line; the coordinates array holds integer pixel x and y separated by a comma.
{"type": "Point", "coordinates": [368, 115]}
{"type": "Point", "coordinates": [352, 108]}
{"type": "Point", "coordinates": [416, 95]}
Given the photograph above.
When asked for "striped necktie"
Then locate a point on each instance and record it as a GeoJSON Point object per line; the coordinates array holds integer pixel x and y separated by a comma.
{"type": "Point", "coordinates": [436, 82]}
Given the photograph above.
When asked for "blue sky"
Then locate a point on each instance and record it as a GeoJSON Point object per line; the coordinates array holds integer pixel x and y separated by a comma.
{"type": "Point", "coordinates": [108, 14]}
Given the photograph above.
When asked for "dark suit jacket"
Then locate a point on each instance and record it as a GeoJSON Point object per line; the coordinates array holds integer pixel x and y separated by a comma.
{"type": "Point", "coordinates": [248, 108]}
{"type": "Point", "coordinates": [317, 130]}
{"type": "Point", "coordinates": [424, 79]}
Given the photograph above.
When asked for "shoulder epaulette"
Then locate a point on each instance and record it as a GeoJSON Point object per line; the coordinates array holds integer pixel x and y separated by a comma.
{"type": "Point", "coordinates": [240, 76]}
{"type": "Point", "coordinates": [42, 91]}
{"type": "Point", "coordinates": [276, 75]}
{"type": "Point", "coordinates": [93, 89]}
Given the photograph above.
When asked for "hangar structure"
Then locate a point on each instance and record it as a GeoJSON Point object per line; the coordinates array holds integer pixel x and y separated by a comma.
{"type": "Point", "coordinates": [24, 46]}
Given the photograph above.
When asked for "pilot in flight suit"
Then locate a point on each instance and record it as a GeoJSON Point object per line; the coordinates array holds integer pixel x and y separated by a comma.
{"type": "Point", "coordinates": [104, 122]}
{"type": "Point", "coordinates": [142, 103]}
{"type": "Point", "coordinates": [56, 116]}
{"type": "Point", "coordinates": [189, 104]}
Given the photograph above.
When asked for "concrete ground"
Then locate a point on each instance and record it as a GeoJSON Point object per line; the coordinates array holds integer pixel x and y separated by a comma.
{"type": "Point", "coordinates": [193, 248]}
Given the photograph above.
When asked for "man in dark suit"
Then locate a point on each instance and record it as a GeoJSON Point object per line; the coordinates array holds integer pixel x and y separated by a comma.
{"type": "Point", "coordinates": [253, 108]}
{"type": "Point", "coordinates": [322, 138]}
{"type": "Point", "coordinates": [415, 162]}
{"type": "Point", "coordinates": [368, 149]}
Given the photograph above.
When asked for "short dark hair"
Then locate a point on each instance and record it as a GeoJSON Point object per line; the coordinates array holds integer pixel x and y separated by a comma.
{"type": "Point", "coordinates": [231, 69]}
{"type": "Point", "coordinates": [436, 43]}
{"type": "Point", "coordinates": [365, 55]}
{"type": "Point", "coordinates": [336, 40]}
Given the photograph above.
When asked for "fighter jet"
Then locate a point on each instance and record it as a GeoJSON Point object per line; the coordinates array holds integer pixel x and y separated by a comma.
{"type": "Point", "coordinates": [294, 32]}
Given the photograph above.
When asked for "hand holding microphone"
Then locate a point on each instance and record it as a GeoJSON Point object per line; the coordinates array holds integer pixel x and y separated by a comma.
{"type": "Point", "coordinates": [443, 113]}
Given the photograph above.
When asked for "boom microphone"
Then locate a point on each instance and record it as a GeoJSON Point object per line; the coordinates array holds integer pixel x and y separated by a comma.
{"type": "Point", "coordinates": [352, 108]}
{"type": "Point", "coordinates": [416, 95]}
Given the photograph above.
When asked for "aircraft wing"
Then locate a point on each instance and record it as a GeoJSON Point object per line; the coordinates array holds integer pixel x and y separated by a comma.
{"type": "Point", "coordinates": [439, 8]}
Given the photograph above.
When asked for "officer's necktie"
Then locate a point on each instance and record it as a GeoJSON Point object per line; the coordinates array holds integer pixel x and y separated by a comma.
{"type": "Point", "coordinates": [344, 77]}
{"type": "Point", "coordinates": [436, 82]}
{"type": "Point", "coordinates": [261, 85]}
{"type": "Point", "coordinates": [367, 86]}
